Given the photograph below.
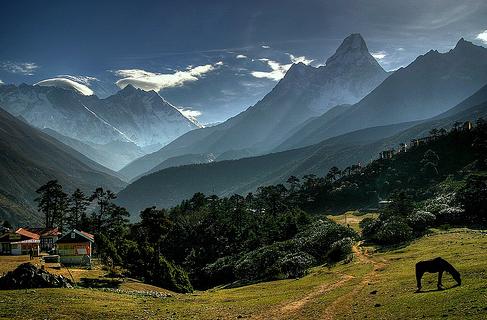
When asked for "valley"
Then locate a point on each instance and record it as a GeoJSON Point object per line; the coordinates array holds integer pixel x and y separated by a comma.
{"type": "Point", "coordinates": [243, 160]}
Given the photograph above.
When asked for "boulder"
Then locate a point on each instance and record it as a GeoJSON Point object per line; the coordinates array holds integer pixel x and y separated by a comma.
{"type": "Point", "coordinates": [28, 276]}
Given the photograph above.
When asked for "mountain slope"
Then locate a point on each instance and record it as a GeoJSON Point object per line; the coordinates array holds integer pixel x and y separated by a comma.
{"type": "Point", "coordinates": [113, 154]}
{"type": "Point", "coordinates": [430, 85]}
{"type": "Point", "coordinates": [303, 93]}
{"type": "Point", "coordinates": [29, 158]}
{"type": "Point", "coordinates": [168, 187]}
{"type": "Point", "coordinates": [131, 115]}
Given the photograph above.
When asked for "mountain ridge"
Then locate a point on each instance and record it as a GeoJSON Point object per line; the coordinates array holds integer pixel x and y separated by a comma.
{"type": "Point", "coordinates": [166, 188]}
{"type": "Point", "coordinates": [303, 93]}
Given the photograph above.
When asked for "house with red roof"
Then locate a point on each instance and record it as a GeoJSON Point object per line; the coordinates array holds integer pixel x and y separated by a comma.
{"type": "Point", "coordinates": [48, 237]}
{"type": "Point", "coordinates": [19, 242]}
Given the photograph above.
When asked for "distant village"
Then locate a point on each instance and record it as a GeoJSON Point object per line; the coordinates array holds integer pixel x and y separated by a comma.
{"type": "Point", "coordinates": [434, 133]}
{"type": "Point", "coordinates": [74, 247]}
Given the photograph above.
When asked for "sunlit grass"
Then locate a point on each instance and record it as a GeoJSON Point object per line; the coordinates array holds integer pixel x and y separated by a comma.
{"type": "Point", "coordinates": [343, 291]}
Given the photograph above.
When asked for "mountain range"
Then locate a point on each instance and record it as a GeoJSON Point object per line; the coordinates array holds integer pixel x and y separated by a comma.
{"type": "Point", "coordinates": [339, 114]}
{"type": "Point", "coordinates": [168, 187]}
{"type": "Point", "coordinates": [284, 119]}
{"type": "Point", "coordinates": [303, 93]}
{"type": "Point", "coordinates": [430, 85]}
{"type": "Point", "coordinates": [143, 120]}
{"type": "Point", "coordinates": [30, 158]}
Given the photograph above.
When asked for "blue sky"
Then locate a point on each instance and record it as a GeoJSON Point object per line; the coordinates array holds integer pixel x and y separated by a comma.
{"type": "Point", "coordinates": [216, 58]}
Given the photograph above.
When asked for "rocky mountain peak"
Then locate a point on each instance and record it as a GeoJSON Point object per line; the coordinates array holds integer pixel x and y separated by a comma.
{"type": "Point", "coordinates": [352, 51]}
{"type": "Point", "coordinates": [463, 46]}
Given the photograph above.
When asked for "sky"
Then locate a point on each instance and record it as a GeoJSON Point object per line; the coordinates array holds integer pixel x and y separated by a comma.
{"type": "Point", "coordinates": [213, 59]}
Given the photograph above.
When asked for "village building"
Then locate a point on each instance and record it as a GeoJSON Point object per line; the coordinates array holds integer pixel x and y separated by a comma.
{"type": "Point", "coordinates": [48, 237]}
{"type": "Point", "coordinates": [467, 126]}
{"type": "Point", "coordinates": [387, 154]}
{"type": "Point", "coordinates": [75, 247]}
{"type": "Point", "coordinates": [19, 243]}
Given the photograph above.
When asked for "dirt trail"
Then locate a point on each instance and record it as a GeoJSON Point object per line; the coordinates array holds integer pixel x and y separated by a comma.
{"type": "Point", "coordinates": [290, 309]}
{"type": "Point", "coordinates": [331, 309]}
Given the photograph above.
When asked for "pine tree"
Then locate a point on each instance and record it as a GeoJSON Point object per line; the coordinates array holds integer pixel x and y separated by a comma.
{"type": "Point", "coordinates": [104, 201]}
{"type": "Point", "coordinates": [52, 202]}
{"type": "Point", "coordinates": [77, 209]}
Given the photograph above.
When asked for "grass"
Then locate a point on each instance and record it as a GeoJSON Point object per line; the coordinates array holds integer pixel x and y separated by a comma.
{"type": "Point", "coordinates": [342, 292]}
{"type": "Point", "coordinates": [351, 219]}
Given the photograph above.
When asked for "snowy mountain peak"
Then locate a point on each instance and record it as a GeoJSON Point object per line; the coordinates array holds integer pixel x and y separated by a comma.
{"type": "Point", "coordinates": [354, 51]}
{"type": "Point", "coordinates": [353, 42]}
{"type": "Point", "coordinates": [128, 90]}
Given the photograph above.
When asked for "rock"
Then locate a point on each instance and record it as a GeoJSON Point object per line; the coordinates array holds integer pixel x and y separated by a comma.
{"type": "Point", "coordinates": [28, 276]}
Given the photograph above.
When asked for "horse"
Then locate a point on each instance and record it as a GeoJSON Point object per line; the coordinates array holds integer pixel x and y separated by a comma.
{"type": "Point", "coordinates": [439, 265]}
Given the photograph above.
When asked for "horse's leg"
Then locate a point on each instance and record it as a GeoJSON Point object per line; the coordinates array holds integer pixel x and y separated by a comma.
{"type": "Point", "coordinates": [419, 275]}
{"type": "Point", "coordinates": [440, 286]}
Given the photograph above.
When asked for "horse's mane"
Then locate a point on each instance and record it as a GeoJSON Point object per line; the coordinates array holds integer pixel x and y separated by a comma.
{"type": "Point", "coordinates": [449, 268]}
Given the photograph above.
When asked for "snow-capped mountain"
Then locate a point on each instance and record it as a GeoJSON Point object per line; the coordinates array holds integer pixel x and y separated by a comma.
{"type": "Point", "coordinates": [144, 117]}
{"type": "Point", "coordinates": [304, 92]}
{"type": "Point", "coordinates": [132, 115]}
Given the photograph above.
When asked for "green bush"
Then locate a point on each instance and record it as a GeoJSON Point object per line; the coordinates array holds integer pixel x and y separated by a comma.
{"type": "Point", "coordinates": [393, 231]}
{"type": "Point", "coordinates": [295, 265]}
{"type": "Point", "coordinates": [260, 264]}
{"type": "Point", "coordinates": [339, 250]}
{"type": "Point", "coordinates": [420, 220]}
{"type": "Point", "coordinates": [171, 276]}
{"type": "Point", "coordinates": [369, 227]}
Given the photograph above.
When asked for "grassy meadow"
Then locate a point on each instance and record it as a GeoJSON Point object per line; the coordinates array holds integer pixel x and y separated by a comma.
{"type": "Point", "coordinates": [375, 285]}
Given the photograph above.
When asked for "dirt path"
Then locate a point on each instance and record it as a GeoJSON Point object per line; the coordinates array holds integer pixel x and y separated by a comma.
{"type": "Point", "coordinates": [338, 303]}
{"type": "Point", "coordinates": [289, 309]}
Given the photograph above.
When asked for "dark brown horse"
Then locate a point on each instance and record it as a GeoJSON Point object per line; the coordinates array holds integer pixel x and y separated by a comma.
{"type": "Point", "coordinates": [439, 265]}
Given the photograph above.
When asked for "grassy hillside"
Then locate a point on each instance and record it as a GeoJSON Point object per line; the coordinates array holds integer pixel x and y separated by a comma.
{"type": "Point", "coordinates": [341, 292]}
{"type": "Point", "coordinates": [30, 158]}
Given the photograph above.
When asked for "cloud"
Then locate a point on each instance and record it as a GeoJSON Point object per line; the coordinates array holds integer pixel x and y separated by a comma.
{"type": "Point", "coordinates": [301, 59]}
{"type": "Point", "coordinates": [191, 113]}
{"type": "Point", "coordinates": [66, 84]}
{"type": "Point", "coordinates": [1, 82]}
{"type": "Point", "coordinates": [265, 47]}
{"type": "Point", "coordinates": [80, 79]}
{"type": "Point", "coordinates": [147, 80]}
{"type": "Point", "coordinates": [25, 68]}
{"type": "Point", "coordinates": [278, 70]}
{"type": "Point", "coordinates": [379, 55]}
{"type": "Point", "coordinates": [400, 49]}
{"type": "Point", "coordinates": [482, 36]}
{"type": "Point", "coordinates": [241, 56]}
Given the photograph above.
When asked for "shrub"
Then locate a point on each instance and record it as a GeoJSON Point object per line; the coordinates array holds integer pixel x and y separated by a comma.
{"type": "Point", "coordinates": [473, 198]}
{"type": "Point", "coordinates": [420, 220]}
{"type": "Point", "coordinates": [171, 276]}
{"type": "Point", "coordinates": [369, 227]}
{"type": "Point", "coordinates": [221, 271]}
{"type": "Point", "coordinates": [318, 239]}
{"type": "Point", "coordinates": [260, 264]}
{"type": "Point", "coordinates": [339, 250]}
{"type": "Point", "coordinates": [394, 231]}
{"type": "Point", "coordinates": [451, 215]}
{"type": "Point", "coordinates": [295, 265]}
